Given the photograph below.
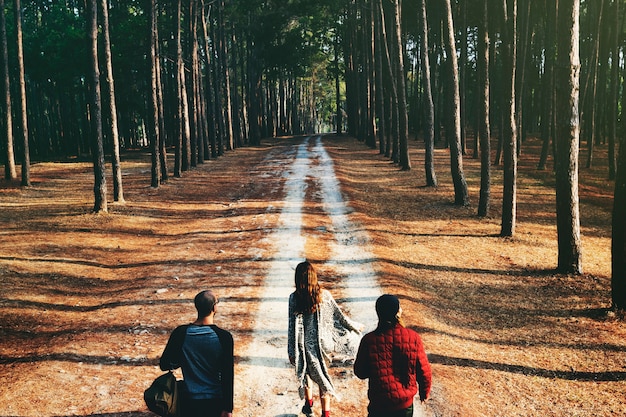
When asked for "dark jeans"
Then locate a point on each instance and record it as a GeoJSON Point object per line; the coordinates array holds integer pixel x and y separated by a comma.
{"type": "Point", "coordinates": [407, 412]}
{"type": "Point", "coordinates": [201, 408]}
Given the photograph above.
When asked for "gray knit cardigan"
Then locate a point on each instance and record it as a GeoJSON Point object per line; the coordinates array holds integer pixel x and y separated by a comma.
{"type": "Point", "coordinates": [317, 339]}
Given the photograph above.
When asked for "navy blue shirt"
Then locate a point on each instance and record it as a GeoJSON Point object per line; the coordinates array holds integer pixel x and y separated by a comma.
{"type": "Point", "coordinates": [205, 354]}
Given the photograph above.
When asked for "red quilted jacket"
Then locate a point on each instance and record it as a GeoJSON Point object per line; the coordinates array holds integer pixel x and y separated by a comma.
{"type": "Point", "coordinates": [396, 364]}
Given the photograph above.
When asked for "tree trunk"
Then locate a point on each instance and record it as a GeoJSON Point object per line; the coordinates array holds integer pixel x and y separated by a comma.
{"type": "Point", "coordinates": [463, 44]}
{"type": "Point", "coordinates": [484, 127]}
{"type": "Point", "coordinates": [179, 141]}
{"type": "Point", "coordinates": [461, 194]}
{"type": "Point", "coordinates": [618, 238]}
{"type": "Point", "coordinates": [593, 106]}
{"type": "Point", "coordinates": [371, 110]}
{"type": "Point", "coordinates": [613, 115]}
{"type": "Point", "coordinates": [381, 108]}
{"type": "Point", "coordinates": [22, 87]}
{"type": "Point", "coordinates": [568, 133]}
{"type": "Point", "coordinates": [154, 103]}
{"type": "Point", "coordinates": [159, 90]}
{"type": "Point", "coordinates": [208, 82]}
{"type": "Point", "coordinates": [429, 110]}
{"type": "Point", "coordinates": [225, 75]}
{"type": "Point", "coordinates": [547, 118]}
{"type": "Point", "coordinates": [338, 115]}
{"type": "Point", "coordinates": [389, 81]}
{"type": "Point", "coordinates": [118, 191]}
{"type": "Point", "coordinates": [10, 171]}
{"type": "Point", "coordinates": [193, 92]}
{"type": "Point", "coordinates": [95, 108]}
{"type": "Point", "coordinates": [403, 122]}
{"type": "Point", "coordinates": [509, 133]}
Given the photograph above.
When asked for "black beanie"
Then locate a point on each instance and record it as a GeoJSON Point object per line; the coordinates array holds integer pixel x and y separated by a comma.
{"type": "Point", "coordinates": [387, 307]}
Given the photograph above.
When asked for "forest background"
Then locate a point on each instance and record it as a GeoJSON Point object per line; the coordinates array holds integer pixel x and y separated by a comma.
{"type": "Point", "coordinates": [88, 80]}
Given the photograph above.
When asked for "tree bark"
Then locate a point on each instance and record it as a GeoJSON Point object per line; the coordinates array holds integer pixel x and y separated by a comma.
{"type": "Point", "coordinates": [484, 127]}
{"type": "Point", "coordinates": [154, 103]}
{"type": "Point", "coordinates": [10, 171]}
{"type": "Point", "coordinates": [429, 110]}
{"type": "Point", "coordinates": [338, 115]}
{"type": "Point", "coordinates": [392, 143]}
{"type": "Point", "coordinates": [403, 121]}
{"type": "Point", "coordinates": [618, 237]}
{"type": "Point", "coordinates": [567, 139]}
{"type": "Point", "coordinates": [593, 105]}
{"type": "Point", "coordinates": [100, 184]}
{"type": "Point", "coordinates": [548, 102]}
{"type": "Point", "coordinates": [381, 107]}
{"type": "Point", "coordinates": [613, 115]}
{"type": "Point", "coordinates": [461, 193]}
{"type": "Point", "coordinates": [159, 90]}
{"type": "Point", "coordinates": [509, 133]}
{"type": "Point", "coordinates": [118, 190]}
{"type": "Point", "coordinates": [179, 140]}
{"type": "Point", "coordinates": [22, 97]}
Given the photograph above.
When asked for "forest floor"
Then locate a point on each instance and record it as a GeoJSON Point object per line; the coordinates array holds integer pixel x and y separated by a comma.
{"type": "Point", "coordinates": [87, 301]}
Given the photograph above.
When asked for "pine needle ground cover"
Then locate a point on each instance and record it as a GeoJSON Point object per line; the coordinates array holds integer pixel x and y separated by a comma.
{"type": "Point", "coordinates": [87, 301]}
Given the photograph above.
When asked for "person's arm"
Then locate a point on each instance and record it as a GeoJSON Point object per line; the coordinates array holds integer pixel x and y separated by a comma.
{"type": "Point", "coordinates": [228, 369]}
{"type": "Point", "coordinates": [291, 332]}
{"type": "Point", "coordinates": [423, 372]}
{"type": "Point", "coordinates": [172, 355]}
{"type": "Point", "coordinates": [361, 363]}
{"type": "Point", "coordinates": [342, 318]}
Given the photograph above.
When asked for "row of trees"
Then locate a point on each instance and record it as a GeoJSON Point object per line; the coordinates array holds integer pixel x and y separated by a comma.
{"type": "Point", "coordinates": [490, 51]}
{"type": "Point", "coordinates": [207, 76]}
{"type": "Point", "coordinates": [534, 55]}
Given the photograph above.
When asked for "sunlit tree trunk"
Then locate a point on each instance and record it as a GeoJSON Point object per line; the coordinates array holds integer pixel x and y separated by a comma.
{"type": "Point", "coordinates": [381, 108]}
{"type": "Point", "coordinates": [338, 114]}
{"type": "Point", "coordinates": [547, 118]}
{"type": "Point", "coordinates": [618, 238]}
{"type": "Point", "coordinates": [403, 120]}
{"type": "Point", "coordinates": [509, 133]}
{"type": "Point", "coordinates": [225, 75]}
{"type": "Point", "coordinates": [179, 141]}
{"type": "Point", "coordinates": [369, 49]}
{"type": "Point", "coordinates": [154, 101]}
{"type": "Point", "coordinates": [10, 171]}
{"type": "Point", "coordinates": [593, 105]}
{"type": "Point", "coordinates": [429, 110]}
{"type": "Point", "coordinates": [613, 115]}
{"type": "Point", "coordinates": [159, 90]}
{"type": "Point", "coordinates": [484, 127]}
{"type": "Point", "coordinates": [194, 92]}
{"type": "Point", "coordinates": [118, 191]}
{"type": "Point", "coordinates": [208, 81]}
{"type": "Point", "coordinates": [95, 110]}
{"type": "Point", "coordinates": [22, 96]}
{"type": "Point", "coordinates": [392, 103]}
{"type": "Point", "coordinates": [567, 139]}
{"type": "Point", "coordinates": [461, 194]}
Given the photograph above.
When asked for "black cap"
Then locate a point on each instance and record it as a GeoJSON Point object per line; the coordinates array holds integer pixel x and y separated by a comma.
{"type": "Point", "coordinates": [387, 307]}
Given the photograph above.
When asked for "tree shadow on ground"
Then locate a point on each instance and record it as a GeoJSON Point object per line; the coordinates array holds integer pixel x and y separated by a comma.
{"type": "Point", "coordinates": [530, 371]}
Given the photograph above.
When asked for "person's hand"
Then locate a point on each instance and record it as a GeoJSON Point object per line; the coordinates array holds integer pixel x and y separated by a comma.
{"type": "Point", "coordinates": [226, 414]}
{"type": "Point", "coordinates": [292, 360]}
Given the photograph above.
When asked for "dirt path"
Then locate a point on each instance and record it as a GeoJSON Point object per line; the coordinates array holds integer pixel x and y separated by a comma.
{"type": "Point", "coordinates": [265, 379]}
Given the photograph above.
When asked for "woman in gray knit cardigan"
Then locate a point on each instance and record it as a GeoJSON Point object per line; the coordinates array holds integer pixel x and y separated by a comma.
{"type": "Point", "coordinates": [317, 329]}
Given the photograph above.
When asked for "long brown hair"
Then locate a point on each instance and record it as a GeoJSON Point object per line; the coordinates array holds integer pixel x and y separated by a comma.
{"type": "Point", "coordinates": [308, 290]}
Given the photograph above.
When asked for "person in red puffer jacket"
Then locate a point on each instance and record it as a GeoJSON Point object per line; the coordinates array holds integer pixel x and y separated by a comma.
{"type": "Point", "coordinates": [394, 360]}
